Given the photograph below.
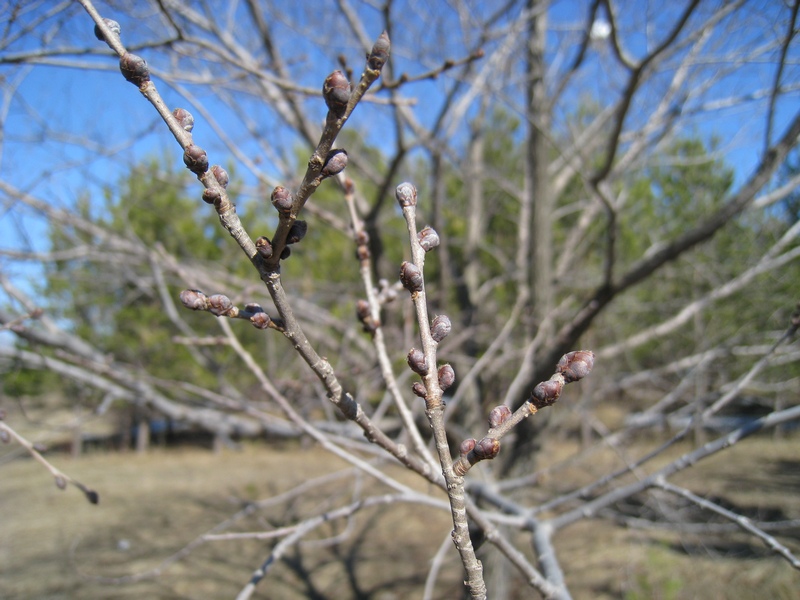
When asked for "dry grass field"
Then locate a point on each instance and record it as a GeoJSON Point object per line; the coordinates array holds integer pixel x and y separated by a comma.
{"type": "Point", "coordinates": [54, 544]}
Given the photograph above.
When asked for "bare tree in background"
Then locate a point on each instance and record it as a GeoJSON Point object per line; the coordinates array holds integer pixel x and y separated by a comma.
{"type": "Point", "coordinates": [570, 205]}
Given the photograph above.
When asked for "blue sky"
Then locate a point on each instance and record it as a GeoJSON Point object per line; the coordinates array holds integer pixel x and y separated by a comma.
{"type": "Point", "coordinates": [99, 106]}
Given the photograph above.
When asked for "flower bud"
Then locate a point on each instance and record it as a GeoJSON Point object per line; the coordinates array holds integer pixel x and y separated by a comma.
{"type": "Point", "coordinates": [210, 196]}
{"type": "Point", "coordinates": [406, 195]}
{"type": "Point", "coordinates": [419, 390]}
{"type": "Point", "coordinates": [336, 92]}
{"type": "Point", "coordinates": [61, 483]}
{"type": "Point", "coordinates": [112, 25]}
{"type": "Point", "coordinates": [575, 365]}
{"type": "Point", "coordinates": [417, 362]}
{"type": "Point", "coordinates": [92, 496]}
{"type": "Point", "coordinates": [487, 448]}
{"type": "Point", "coordinates": [440, 328]}
{"type": "Point", "coordinates": [195, 159]}
{"type": "Point", "coordinates": [365, 316]}
{"type": "Point", "coordinates": [447, 376]}
{"type": "Point", "coordinates": [264, 247]}
{"type": "Point", "coordinates": [547, 392]}
{"type": "Point", "coordinates": [362, 310]}
{"type": "Point", "coordinates": [260, 320]}
{"type": "Point", "coordinates": [221, 175]}
{"type": "Point", "coordinates": [499, 415]}
{"type": "Point", "coordinates": [184, 118]}
{"type": "Point", "coordinates": [194, 299]}
{"type": "Point", "coordinates": [380, 52]}
{"type": "Point", "coordinates": [5, 437]}
{"type": "Point", "coordinates": [297, 232]}
{"type": "Point", "coordinates": [335, 163]}
{"type": "Point", "coordinates": [428, 239]}
{"type": "Point", "coordinates": [134, 69]}
{"type": "Point", "coordinates": [466, 446]}
{"type": "Point", "coordinates": [411, 277]}
{"type": "Point", "coordinates": [282, 200]}
{"type": "Point", "coordinates": [219, 305]}
{"type": "Point", "coordinates": [286, 252]}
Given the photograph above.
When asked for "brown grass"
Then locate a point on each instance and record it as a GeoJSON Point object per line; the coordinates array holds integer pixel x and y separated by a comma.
{"type": "Point", "coordinates": [54, 544]}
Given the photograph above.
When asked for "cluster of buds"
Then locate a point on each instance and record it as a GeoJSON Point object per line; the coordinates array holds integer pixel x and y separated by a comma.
{"type": "Point", "coordinates": [221, 306]}
{"type": "Point", "coordinates": [362, 246]}
{"type": "Point", "coordinates": [573, 366]}
{"type": "Point", "coordinates": [135, 70]}
{"type": "Point", "coordinates": [257, 316]}
{"type": "Point", "coordinates": [471, 452]}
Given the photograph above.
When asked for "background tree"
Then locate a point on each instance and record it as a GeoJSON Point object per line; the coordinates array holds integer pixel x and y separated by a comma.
{"type": "Point", "coordinates": [580, 174]}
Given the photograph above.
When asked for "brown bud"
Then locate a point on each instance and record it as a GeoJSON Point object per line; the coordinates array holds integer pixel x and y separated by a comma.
{"type": "Point", "coordinates": [546, 393]}
{"type": "Point", "coordinates": [282, 200]}
{"type": "Point", "coordinates": [466, 446]}
{"type": "Point", "coordinates": [447, 376]}
{"type": "Point", "coordinates": [39, 447]}
{"type": "Point", "coordinates": [260, 320]}
{"type": "Point", "coordinates": [264, 247]}
{"type": "Point", "coordinates": [406, 195]}
{"type": "Point", "coordinates": [499, 415]}
{"type": "Point", "coordinates": [286, 252]}
{"type": "Point", "coordinates": [417, 362]}
{"type": "Point", "coordinates": [297, 232]}
{"type": "Point", "coordinates": [195, 159]}
{"type": "Point", "coordinates": [61, 483]}
{"type": "Point", "coordinates": [219, 305]}
{"type": "Point", "coordinates": [380, 52]}
{"type": "Point", "coordinates": [184, 118]}
{"type": "Point", "coordinates": [221, 175]}
{"type": "Point", "coordinates": [487, 448]}
{"type": "Point", "coordinates": [365, 316]}
{"type": "Point", "coordinates": [428, 239]}
{"type": "Point", "coordinates": [362, 310]}
{"type": "Point", "coordinates": [112, 25]}
{"type": "Point", "coordinates": [92, 496]}
{"type": "Point", "coordinates": [575, 365]}
{"type": "Point", "coordinates": [362, 238]}
{"type": "Point", "coordinates": [211, 196]}
{"type": "Point", "coordinates": [335, 163]}
{"type": "Point", "coordinates": [362, 253]}
{"type": "Point", "coordinates": [440, 328]}
{"type": "Point", "coordinates": [194, 299]}
{"type": "Point", "coordinates": [134, 69]}
{"type": "Point", "coordinates": [419, 389]}
{"type": "Point", "coordinates": [411, 277]}
{"type": "Point", "coordinates": [336, 92]}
